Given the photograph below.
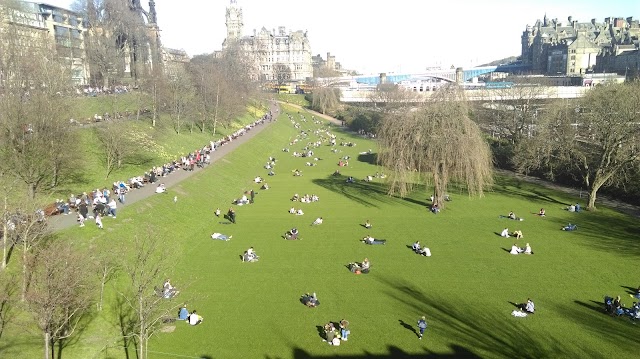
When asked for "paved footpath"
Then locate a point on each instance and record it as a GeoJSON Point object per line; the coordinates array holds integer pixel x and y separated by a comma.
{"type": "Point", "coordinates": [59, 222]}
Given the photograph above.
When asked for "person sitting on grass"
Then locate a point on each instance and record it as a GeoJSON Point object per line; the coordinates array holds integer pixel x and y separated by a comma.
{"type": "Point", "coordinates": [265, 186]}
{"type": "Point", "coordinates": [258, 179]}
{"type": "Point", "coordinates": [435, 208]}
{"type": "Point", "coordinates": [517, 234]}
{"type": "Point", "coordinates": [291, 234]}
{"type": "Point", "coordinates": [169, 291]}
{"type": "Point", "coordinates": [528, 307]}
{"type": "Point", "coordinates": [571, 208]}
{"type": "Point", "coordinates": [424, 251]}
{"type": "Point", "coordinates": [161, 188]}
{"type": "Point", "coordinates": [570, 227]}
{"type": "Point", "coordinates": [527, 249]}
{"type": "Point", "coordinates": [295, 198]}
{"type": "Point", "coordinates": [358, 268]}
{"type": "Point", "coordinates": [299, 212]}
{"type": "Point", "coordinates": [350, 180]}
{"type": "Point", "coordinates": [317, 222]}
{"type": "Point", "coordinates": [367, 224]}
{"type": "Point", "coordinates": [505, 233]}
{"type": "Point", "coordinates": [250, 255]}
{"type": "Point", "coordinates": [310, 300]}
{"type": "Point", "coordinates": [511, 215]}
{"type": "Point", "coordinates": [297, 173]}
{"type": "Point", "coordinates": [515, 249]}
{"type": "Point", "coordinates": [416, 246]}
{"type": "Point", "coordinates": [220, 236]}
{"type": "Point", "coordinates": [370, 240]}
{"type": "Point", "coordinates": [183, 313]}
{"type": "Point", "coordinates": [542, 212]}
{"type": "Point", "coordinates": [195, 319]}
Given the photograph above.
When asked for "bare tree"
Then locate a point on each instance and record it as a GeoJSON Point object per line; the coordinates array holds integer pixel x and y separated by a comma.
{"type": "Point", "coordinates": [108, 264]}
{"type": "Point", "coordinates": [281, 73]}
{"type": "Point", "coordinates": [391, 97]}
{"type": "Point", "coordinates": [59, 292]}
{"type": "Point", "coordinates": [597, 139]}
{"type": "Point", "coordinates": [436, 144]}
{"type": "Point", "coordinates": [179, 98]}
{"type": "Point", "coordinates": [115, 145]}
{"type": "Point", "coordinates": [8, 288]}
{"type": "Point", "coordinates": [148, 307]}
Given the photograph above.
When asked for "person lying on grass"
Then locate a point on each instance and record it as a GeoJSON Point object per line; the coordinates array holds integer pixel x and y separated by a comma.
{"type": "Point", "coordinates": [317, 222]}
{"type": "Point", "coordinates": [220, 236]}
{"type": "Point", "coordinates": [370, 240]}
{"type": "Point", "coordinates": [570, 227]}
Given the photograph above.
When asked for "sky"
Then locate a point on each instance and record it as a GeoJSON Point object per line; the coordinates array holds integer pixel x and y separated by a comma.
{"type": "Point", "coordinates": [381, 36]}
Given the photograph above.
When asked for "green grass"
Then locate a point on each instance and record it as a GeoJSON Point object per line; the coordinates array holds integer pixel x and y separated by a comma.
{"type": "Point", "coordinates": [299, 100]}
{"type": "Point", "coordinates": [251, 310]}
{"type": "Point", "coordinates": [86, 107]}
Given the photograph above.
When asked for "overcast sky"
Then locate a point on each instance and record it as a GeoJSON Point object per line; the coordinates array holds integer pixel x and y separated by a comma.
{"type": "Point", "coordinates": [382, 36]}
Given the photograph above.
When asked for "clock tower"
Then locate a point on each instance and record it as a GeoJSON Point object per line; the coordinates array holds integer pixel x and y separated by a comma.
{"type": "Point", "coordinates": [234, 21]}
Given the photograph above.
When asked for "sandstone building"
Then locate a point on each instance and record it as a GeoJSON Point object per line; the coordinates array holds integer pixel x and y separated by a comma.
{"type": "Point", "coordinates": [279, 55]}
{"type": "Point", "coordinates": [575, 48]}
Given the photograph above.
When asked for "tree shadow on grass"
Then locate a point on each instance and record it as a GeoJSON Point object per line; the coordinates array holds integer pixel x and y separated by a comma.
{"type": "Point", "coordinates": [611, 232]}
{"type": "Point", "coordinates": [515, 188]}
{"type": "Point", "coordinates": [370, 194]}
{"type": "Point", "coordinates": [370, 158]}
{"type": "Point", "coordinates": [597, 321]}
{"type": "Point", "coordinates": [393, 352]}
{"type": "Point", "coordinates": [494, 333]}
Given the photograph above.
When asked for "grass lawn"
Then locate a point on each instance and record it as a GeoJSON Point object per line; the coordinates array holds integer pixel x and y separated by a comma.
{"type": "Point", "coordinates": [466, 289]}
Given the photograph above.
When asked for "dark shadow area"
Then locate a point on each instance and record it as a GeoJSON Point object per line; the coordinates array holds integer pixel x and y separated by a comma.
{"type": "Point", "coordinates": [320, 330]}
{"type": "Point", "coordinates": [498, 234]}
{"type": "Point", "coordinates": [393, 353]}
{"type": "Point", "coordinates": [360, 191]}
{"type": "Point", "coordinates": [125, 324]}
{"type": "Point", "coordinates": [513, 187]}
{"type": "Point", "coordinates": [370, 158]}
{"type": "Point", "coordinates": [408, 327]}
{"type": "Point", "coordinates": [494, 333]}
{"type": "Point", "coordinates": [596, 320]}
{"type": "Point", "coordinates": [506, 250]}
{"type": "Point", "coordinates": [515, 304]}
{"type": "Point", "coordinates": [630, 290]}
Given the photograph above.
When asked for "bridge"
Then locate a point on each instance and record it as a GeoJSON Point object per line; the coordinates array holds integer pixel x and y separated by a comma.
{"type": "Point", "coordinates": [541, 93]}
{"type": "Point", "coordinates": [448, 75]}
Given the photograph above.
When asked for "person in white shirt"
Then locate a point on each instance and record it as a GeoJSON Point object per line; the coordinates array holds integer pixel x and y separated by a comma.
{"type": "Point", "coordinates": [194, 318]}
{"type": "Point", "coordinates": [530, 307]}
{"type": "Point", "coordinates": [527, 249]}
{"type": "Point", "coordinates": [161, 188]}
{"type": "Point", "coordinates": [221, 236]}
{"type": "Point", "coordinates": [292, 210]}
{"type": "Point", "coordinates": [505, 233]}
{"type": "Point", "coordinates": [515, 249]}
{"type": "Point", "coordinates": [112, 207]}
{"type": "Point", "coordinates": [299, 212]}
{"type": "Point", "coordinates": [318, 221]}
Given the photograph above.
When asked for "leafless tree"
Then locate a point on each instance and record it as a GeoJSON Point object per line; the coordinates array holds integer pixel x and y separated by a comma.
{"type": "Point", "coordinates": [59, 293]}
{"type": "Point", "coordinates": [437, 144]}
{"type": "Point", "coordinates": [281, 73]}
{"type": "Point", "coordinates": [179, 99]}
{"type": "Point", "coordinates": [149, 308]}
{"type": "Point", "coordinates": [391, 97]}
{"type": "Point", "coordinates": [115, 146]}
{"type": "Point", "coordinates": [8, 288]}
{"type": "Point", "coordinates": [596, 139]}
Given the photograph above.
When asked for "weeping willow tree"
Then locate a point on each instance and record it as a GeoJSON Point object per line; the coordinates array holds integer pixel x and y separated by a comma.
{"type": "Point", "coordinates": [437, 146]}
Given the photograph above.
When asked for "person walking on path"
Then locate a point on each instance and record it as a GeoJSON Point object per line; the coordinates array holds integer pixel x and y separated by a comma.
{"type": "Point", "coordinates": [422, 325]}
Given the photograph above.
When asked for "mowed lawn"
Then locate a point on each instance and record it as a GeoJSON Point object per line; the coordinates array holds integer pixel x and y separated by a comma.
{"type": "Point", "coordinates": [466, 289]}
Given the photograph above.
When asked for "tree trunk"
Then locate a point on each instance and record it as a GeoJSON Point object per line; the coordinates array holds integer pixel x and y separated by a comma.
{"type": "Point", "coordinates": [439, 186]}
{"type": "Point", "coordinates": [24, 270]}
{"type": "Point", "coordinates": [32, 190]}
{"type": "Point", "coordinates": [143, 334]}
{"type": "Point", "coordinates": [47, 341]}
{"type": "Point", "coordinates": [597, 183]}
{"type": "Point", "coordinates": [5, 237]}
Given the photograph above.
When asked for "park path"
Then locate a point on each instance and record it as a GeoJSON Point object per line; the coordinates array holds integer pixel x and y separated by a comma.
{"type": "Point", "coordinates": [59, 222]}
{"type": "Point", "coordinates": [623, 207]}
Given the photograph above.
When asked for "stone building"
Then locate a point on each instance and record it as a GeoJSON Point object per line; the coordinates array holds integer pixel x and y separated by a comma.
{"type": "Point", "coordinates": [51, 28]}
{"type": "Point", "coordinates": [574, 48]}
{"type": "Point", "coordinates": [278, 54]}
